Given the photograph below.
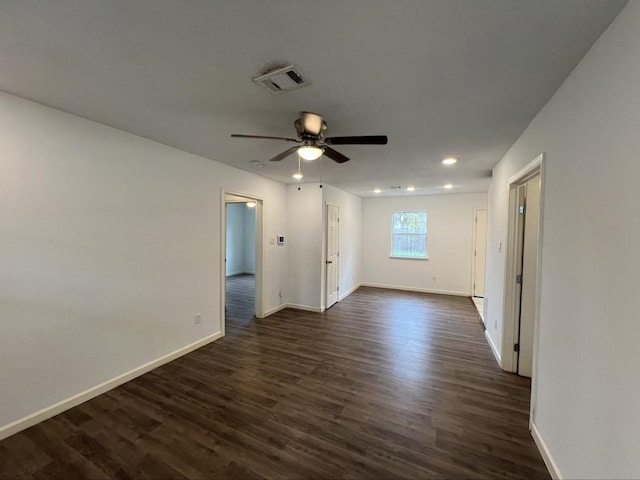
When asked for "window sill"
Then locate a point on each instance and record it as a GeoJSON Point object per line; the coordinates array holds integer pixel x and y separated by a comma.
{"type": "Point", "coordinates": [395, 257]}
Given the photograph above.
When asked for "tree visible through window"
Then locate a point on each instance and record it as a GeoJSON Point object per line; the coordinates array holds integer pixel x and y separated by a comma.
{"type": "Point", "coordinates": [409, 235]}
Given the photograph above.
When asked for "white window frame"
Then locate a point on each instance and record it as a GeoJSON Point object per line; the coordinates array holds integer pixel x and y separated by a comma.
{"type": "Point", "coordinates": [426, 249]}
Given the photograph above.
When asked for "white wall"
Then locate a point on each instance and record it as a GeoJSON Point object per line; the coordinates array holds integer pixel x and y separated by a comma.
{"type": "Point", "coordinates": [110, 245]}
{"type": "Point", "coordinates": [349, 239]}
{"type": "Point", "coordinates": [588, 388]}
{"type": "Point", "coordinates": [449, 243]}
{"type": "Point", "coordinates": [249, 254]}
{"type": "Point", "coordinates": [235, 238]}
{"type": "Point", "coordinates": [241, 238]}
{"type": "Point", "coordinates": [304, 243]}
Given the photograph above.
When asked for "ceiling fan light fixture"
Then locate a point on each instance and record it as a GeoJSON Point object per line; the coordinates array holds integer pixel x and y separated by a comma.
{"type": "Point", "coordinates": [309, 152]}
{"type": "Point", "coordinates": [450, 161]}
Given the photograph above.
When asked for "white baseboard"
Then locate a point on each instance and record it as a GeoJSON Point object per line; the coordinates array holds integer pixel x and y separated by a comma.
{"type": "Point", "coordinates": [307, 308]}
{"type": "Point", "coordinates": [493, 348]}
{"type": "Point", "coordinates": [53, 410]}
{"type": "Point", "coordinates": [276, 309]}
{"type": "Point", "coordinates": [552, 466]}
{"type": "Point", "coordinates": [417, 289]}
{"type": "Point", "coordinates": [349, 292]}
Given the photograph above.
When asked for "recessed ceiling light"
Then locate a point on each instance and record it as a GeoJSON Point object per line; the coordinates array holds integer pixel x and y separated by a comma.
{"type": "Point", "coordinates": [410, 189]}
{"type": "Point", "coordinates": [448, 186]}
{"type": "Point", "coordinates": [449, 161]}
{"type": "Point", "coordinates": [377, 190]}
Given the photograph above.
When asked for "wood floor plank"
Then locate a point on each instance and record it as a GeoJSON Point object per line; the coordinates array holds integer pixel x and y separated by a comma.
{"type": "Point", "coordinates": [385, 384]}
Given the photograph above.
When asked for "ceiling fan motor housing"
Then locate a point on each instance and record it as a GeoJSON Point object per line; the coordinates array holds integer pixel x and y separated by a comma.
{"type": "Point", "coordinates": [310, 126]}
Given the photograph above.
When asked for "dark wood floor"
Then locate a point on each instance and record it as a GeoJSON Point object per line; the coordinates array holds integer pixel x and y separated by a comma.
{"type": "Point", "coordinates": [240, 293]}
{"type": "Point", "coordinates": [385, 384]}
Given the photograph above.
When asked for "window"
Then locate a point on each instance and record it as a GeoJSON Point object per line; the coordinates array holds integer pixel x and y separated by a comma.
{"type": "Point", "coordinates": [409, 235]}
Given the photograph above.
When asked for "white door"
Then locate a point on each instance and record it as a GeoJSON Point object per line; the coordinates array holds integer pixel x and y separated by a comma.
{"type": "Point", "coordinates": [479, 252]}
{"type": "Point", "coordinates": [332, 255]}
{"type": "Point", "coordinates": [529, 275]}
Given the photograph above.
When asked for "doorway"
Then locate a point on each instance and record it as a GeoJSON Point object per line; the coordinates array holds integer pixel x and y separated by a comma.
{"type": "Point", "coordinates": [526, 272]}
{"type": "Point", "coordinates": [332, 256]}
{"type": "Point", "coordinates": [522, 281]}
{"type": "Point", "coordinates": [479, 259]}
{"type": "Point", "coordinates": [241, 247]}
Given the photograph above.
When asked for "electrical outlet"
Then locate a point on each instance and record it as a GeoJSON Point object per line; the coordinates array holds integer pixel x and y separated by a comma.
{"type": "Point", "coordinates": [198, 318]}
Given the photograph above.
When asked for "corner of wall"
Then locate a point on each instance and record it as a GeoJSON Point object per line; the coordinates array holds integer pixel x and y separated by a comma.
{"type": "Point", "coordinates": [547, 457]}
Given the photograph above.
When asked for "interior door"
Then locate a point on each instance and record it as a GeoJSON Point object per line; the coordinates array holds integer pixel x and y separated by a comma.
{"type": "Point", "coordinates": [529, 276]}
{"type": "Point", "coordinates": [479, 252]}
{"type": "Point", "coordinates": [331, 261]}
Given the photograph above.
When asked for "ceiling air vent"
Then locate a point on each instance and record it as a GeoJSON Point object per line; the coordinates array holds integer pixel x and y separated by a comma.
{"type": "Point", "coordinates": [282, 80]}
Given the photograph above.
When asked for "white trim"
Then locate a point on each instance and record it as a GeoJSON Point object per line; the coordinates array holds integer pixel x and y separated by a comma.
{"type": "Point", "coordinates": [416, 289]}
{"type": "Point", "coordinates": [527, 170]}
{"type": "Point", "coordinates": [306, 308]}
{"type": "Point", "coordinates": [399, 257]}
{"type": "Point", "coordinates": [276, 309]}
{"type": "Point", "coordinates": [348, 292]}
{"type": "Point", "coordinates": [551, 464]}
{"type": "Point", "coordinates": [53, 410]}
{"type": "Point", "coordinates": [493, 347]}
{"type": "Point", "coordinates": [537, 301]}
{"type": "Point", "coordinates": [231, 274]}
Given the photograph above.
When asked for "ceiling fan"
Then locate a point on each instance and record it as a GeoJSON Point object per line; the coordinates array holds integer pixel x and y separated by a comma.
{"type": "Point", "coordinates": [310, 128]}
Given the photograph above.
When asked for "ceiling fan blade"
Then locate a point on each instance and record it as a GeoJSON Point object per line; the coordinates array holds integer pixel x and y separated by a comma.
{"type": "Point", "coordinates": [311, 123]}
{"type": "Point", "coordinates": [335, 155]}
{"type": "Point", "coordinates": [284, 154]}
{"type": "Point", "coordinates": [239, 135]}
{"type": "Point", "coordinates": [361, 140]}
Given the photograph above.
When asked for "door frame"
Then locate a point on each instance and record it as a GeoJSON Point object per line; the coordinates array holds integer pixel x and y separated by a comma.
{"type": "Point", "coordinates": [259, 246]}
{"type": "Point", "coordinates": [473, 247]}
{"type": "Point", "coordinates": [510, 302]}
{"type": "Point", "coordinates": [324, 256]}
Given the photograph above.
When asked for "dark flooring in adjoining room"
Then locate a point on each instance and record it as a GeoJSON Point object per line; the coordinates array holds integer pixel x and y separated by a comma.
{"type": "Point", "coordinates": [240, 291]}
{"type": "Point", "coordinates": [385, 384]}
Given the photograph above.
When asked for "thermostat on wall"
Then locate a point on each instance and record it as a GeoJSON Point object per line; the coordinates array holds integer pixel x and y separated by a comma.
{"type": "Point", "coordinates": [280, 239]}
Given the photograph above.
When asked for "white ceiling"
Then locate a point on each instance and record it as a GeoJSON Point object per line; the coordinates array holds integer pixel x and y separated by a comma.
{"type": "Point", "coordinates": [440, 78]}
